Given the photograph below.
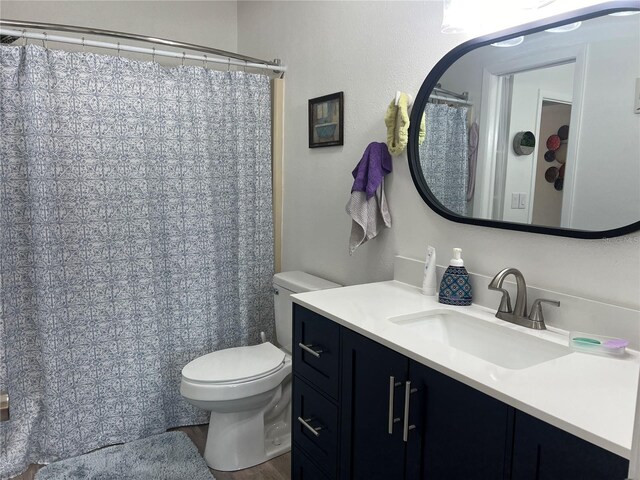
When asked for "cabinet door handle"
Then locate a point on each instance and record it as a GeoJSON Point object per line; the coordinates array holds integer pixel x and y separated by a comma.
{"type": "Point", "coordinates": [309, 349]}
{"type": "Point", "coordinates": [407, 393]}
{"type": "Point", "coordinates": [392, 386]}
{"type": "Point", "coordinates": [314, 430]}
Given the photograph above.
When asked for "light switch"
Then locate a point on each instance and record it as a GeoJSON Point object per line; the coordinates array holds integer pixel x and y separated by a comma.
{"type": "Point", "coordinates": [522, 201]}
{"type": "Point", "coordinates": [515, 201]}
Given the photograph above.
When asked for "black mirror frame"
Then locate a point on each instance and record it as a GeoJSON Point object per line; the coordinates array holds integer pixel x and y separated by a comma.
{"type": "Point", "coordinates": [430, 83]}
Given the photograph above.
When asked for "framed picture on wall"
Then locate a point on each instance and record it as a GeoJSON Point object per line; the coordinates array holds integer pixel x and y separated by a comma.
{"type": "Point", "coordinates": [326, 114]}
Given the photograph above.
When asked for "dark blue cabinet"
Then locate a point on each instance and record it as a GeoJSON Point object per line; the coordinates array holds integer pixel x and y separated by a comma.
{"type": "Point", "coordinates": [460, 433]}
{"type": "Point", "coordinates": [378, 415]}
{"type": "Point", "coordinates": [315, 425]}
{"type": "Point", "coordinates": [316, 349]}
{"type": "Point", "coordinates": [544, 452]}
{"type": "Point", "coordinates": [303, 468]}
{"type": "Point", "coordinates": [373, 385]}
{"type": "Point", "coordinates": [451, 431]}
{"type": "Point", "coordinates": [315, 396]}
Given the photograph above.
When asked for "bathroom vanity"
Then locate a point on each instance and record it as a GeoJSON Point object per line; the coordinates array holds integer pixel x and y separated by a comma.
{"type": "Point", "coordinates": [375, 395]}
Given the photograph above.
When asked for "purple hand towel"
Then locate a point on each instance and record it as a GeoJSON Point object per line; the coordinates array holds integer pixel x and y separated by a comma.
{"type": "Point", "coordinates": [371, 169]}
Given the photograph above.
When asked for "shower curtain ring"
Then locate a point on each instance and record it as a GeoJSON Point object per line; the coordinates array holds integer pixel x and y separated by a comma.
{"type": "Point", "coordinates": [245, 66]}
{"type": "Point", "coordinates": [229, 65]}
{"type": "Point", "coordinates": [118, 49]}
{"type": "Point", "coordinates": [24, 37]}
{"type": "Point", "coordinates": [183, 55]}
{"type": "Point", "coordinates": [44, 40]}
{"type": "Point", "coordinates": [83, 49]}
{"type": "Point", "coordinates": [205, 61]}
{"type": "Point", "coordinates": [153, 55]}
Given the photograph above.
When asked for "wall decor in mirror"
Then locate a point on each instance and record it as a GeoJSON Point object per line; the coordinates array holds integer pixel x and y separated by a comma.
{"type": "Point", "coordinates": [542, 136]}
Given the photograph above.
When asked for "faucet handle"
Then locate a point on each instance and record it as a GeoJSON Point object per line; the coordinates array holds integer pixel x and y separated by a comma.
{"type": "Point", "coordinates": [505, 301]}
{"type": "Point", "coordinates": [536, 309]}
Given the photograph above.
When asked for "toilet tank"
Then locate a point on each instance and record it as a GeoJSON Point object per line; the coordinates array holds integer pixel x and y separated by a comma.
{"type": "Point", "coordinates": [284, 285]}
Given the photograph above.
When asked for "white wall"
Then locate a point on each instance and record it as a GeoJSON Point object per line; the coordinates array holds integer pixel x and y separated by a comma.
{"type": "Point", "coordinates": [369, 50]}
{"type": "Point", "coordinates": [203, 23]}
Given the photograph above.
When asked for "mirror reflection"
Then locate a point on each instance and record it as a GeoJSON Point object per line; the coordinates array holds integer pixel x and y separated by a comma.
{"type": "Point", "coordinates": [544, 130]}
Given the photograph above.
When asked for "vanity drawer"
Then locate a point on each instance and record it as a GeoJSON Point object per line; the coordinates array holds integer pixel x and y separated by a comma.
{"type": "Point", "coordinates": [303, 468]}
{"type": "Point", "coordinates": [316, 350]}
{"type": "Point", "coordinates": [315, 425]}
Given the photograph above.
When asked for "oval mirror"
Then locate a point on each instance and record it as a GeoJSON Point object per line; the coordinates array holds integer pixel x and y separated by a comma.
{"type": "Point", "coordinates": [498, 118]}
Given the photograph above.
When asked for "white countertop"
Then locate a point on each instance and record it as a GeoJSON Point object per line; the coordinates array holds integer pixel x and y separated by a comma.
{"type": "Point", "coordinates": [590, 396]}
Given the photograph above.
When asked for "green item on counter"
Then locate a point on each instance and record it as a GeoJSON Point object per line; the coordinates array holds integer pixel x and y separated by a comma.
{"type": "Point", "coordinates": [588, 341]}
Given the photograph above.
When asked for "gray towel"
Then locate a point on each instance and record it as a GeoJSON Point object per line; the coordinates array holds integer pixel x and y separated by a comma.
{"type": "Point", "coordinates": [369, 217]}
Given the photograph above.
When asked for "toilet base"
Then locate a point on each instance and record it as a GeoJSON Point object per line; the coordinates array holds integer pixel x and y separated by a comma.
{"type": "Point", "coordinates": [239, 440]}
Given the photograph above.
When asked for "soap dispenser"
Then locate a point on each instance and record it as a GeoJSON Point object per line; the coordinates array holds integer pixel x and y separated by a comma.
{"type": "Point", "coordinates": [455, 288]}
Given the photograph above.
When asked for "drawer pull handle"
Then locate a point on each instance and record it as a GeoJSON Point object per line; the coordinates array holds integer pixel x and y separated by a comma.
{"type": "Point", "coordinates": [392, 385]}
{"type": "Point", "coordinates": [314, 430]}
{"type": "Point", "coordinates": [309, 349]}
{"type": "Point", "coordinates": [407, 393]}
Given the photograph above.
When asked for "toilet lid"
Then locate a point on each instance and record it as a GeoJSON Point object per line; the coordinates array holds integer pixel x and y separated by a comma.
{"type": "Point", "coordinates": [238, 364]}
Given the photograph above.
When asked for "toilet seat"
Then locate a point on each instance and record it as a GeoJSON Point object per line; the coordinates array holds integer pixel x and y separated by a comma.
{"type": "Point", "coordinates": [235, 373]}
{"type": "Point", "coordinates": [235, 365]}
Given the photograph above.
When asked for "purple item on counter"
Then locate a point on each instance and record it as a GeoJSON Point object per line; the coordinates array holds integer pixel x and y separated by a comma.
{"type": "Point", "coordinates": [616, 343]}
{"type": "Point", "coordinates": [371, 169]}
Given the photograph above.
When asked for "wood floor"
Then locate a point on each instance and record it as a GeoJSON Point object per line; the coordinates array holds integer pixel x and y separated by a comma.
{"type": "Point", "coordinates": [278, 468]}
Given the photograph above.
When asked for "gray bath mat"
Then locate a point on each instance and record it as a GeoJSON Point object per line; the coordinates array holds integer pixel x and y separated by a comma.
{"type": "Point", "coordinates": [168, 456]}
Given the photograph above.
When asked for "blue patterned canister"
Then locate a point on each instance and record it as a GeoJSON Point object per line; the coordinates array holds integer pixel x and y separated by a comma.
{"type": "Point", "coordinates": [455, 288]}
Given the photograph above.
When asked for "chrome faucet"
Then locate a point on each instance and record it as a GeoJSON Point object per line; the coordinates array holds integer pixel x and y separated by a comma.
{"type": "Point", "coordinates": [518, 314]}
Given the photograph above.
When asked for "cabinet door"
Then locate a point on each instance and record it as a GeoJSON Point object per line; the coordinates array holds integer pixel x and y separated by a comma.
{"type": "Point", "coordinates": [544, 452]}
{"type": "Point", "coordinates": [460, 434]}
{"type": "Point", "coordinates": [373, 385]}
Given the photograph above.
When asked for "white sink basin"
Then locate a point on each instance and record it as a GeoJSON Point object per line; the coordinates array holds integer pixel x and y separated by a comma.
{"type": "Point", "coordinates": [494, 343]}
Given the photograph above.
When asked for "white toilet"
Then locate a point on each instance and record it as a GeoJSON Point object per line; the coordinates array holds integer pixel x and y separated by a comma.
{"type": "Point", "coordinates": [248, 389]}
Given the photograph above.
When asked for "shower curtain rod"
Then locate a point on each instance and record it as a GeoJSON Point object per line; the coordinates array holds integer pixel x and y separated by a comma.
{"type": "Point", "coordinates": [449, 99]}
{"type": "Point", "coordinates": [230, 58]}
{"type": "Point", "coordinates": [461, 96]}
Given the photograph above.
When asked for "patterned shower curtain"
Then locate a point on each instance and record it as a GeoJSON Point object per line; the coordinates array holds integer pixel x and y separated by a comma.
{"type": "Point", "coordinates": [135, 235]}
{"type": "Point", "coordinates": [443, 155]}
